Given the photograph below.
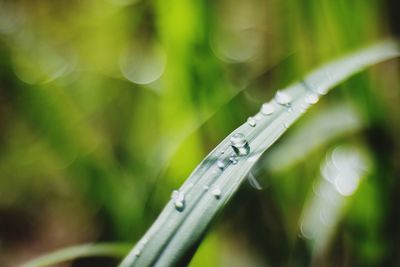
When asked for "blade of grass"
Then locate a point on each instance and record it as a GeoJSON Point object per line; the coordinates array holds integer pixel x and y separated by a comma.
{"type": "Point", "coordinates": [114, 250]}
{"type": "Point", "coordinates": [331, 123]}
{"type": "Point", "coordinates": [174, 236]}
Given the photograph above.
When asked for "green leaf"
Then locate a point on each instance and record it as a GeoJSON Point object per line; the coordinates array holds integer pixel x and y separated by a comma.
{"type": "Point", "coordinates": [174, 236]}
{"type": "Point", "coordinates": [115, 250]}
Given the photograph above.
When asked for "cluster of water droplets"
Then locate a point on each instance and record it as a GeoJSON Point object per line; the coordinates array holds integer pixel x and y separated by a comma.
{"type": "Point", "coordinates": [240, 148]}
{"type": "Point", "coordinates": [240, 144]}
{"type": "Point", "coordinates": [267, 109]}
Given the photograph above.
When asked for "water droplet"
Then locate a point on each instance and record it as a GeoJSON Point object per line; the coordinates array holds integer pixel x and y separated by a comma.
{"type": "Point", "coordinates": [221, 164]}
{"type": "Point", "coordinates": [267, 109]}
{"type": "Point", "coordinates": [290, 109]}
{"type": "Point", "coordinates": [139, 247]}
{"type": "Point", "coordinates": [323, 90]}
{"type": "Point", "coordinates": [137, 252]}
{"type": "Point", "coordinates": [179, 205]}
{"type": "Point", "coordinates": [179, 200]}
{"type": "Point", "coordinates": [251, 121]}
{"type": "Point", "coordinates": [216, 192]}
{"type": "Point", "coordinates": [283, 98]}
{"type": "Point", "coordinates": [238, 139]}
{"type": "Point", "coordinates": [239, 144]}
{"type": "Point", "coordinates": [233, 159]}
{"type": "Point", "coordinates": [286, 125]}
{"type": "Point", "coordinates": [311, 99]}
{"type": "Point", "coordinates": [206, 187]}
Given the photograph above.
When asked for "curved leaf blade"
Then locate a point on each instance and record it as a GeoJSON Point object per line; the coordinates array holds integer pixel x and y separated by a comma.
{"type": "Point", "coordinates": [173, 237]}
{"type": "Point", "coordinates": [88, 250]}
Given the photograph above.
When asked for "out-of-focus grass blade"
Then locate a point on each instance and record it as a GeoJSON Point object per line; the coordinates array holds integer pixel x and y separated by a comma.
{"type": "Point", "coordinates": [114, 250]}
{"type": "Point", "coordinates": [174, 236]}
{"type": "Point", "coordinates": [327, 125]}
{"type": "Point", "coordinates": [341, 174]}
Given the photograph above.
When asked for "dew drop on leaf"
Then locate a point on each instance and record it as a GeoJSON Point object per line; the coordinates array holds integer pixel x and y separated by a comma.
{"type": "Point", "coordinates": [137, 252]}
{"type": "Point", "coordinates": [233, 159]}
{"type": "Point", "coordinates": [311, 99]}
{"type": "Point", "coordinates": [179, 200]}
{"type": "Point", "coordinates": [240, 144]}
{"type": "Point", "coordinates": [221, 164]}
{"type": "Point", "coordinates": [216, 192]}
{"type": "Point", "coordinates": [139, 247]}
{"type": "Point", "coordinates": [283, 98]}
{"type": "Point", "coordinates": [251, 121]}
{"type": "Point", "coordinates": [267, 109]}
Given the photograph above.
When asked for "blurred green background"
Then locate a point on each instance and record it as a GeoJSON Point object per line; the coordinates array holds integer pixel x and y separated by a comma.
{"type": "Point", "coordinates": [107, 106]}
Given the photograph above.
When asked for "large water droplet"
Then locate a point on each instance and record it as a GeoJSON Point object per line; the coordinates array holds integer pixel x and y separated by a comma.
{"type": "Point", "coordinates": [251, 121]}
{"type": "Point", "coordinates": [283, 98]}
{"type": "Point", "coordinates": [238, 139]}
{"type": "Point", "coordinates": [239, 144]}
{"type": "Point", "coordinates": [179, 200]}
{"type": "Point", "coordinates": [267, 109]}
{"type": "Point", "coordinates": [216, 192]}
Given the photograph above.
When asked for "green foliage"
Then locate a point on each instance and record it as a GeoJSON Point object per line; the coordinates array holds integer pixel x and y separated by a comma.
{"type": "Point", "coordinates": [81, 251]}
